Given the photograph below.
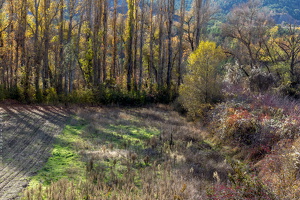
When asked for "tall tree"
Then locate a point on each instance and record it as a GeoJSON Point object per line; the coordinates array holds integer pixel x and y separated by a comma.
{"type": "Point", "coordinates": [98, 12]}
{"type": "Point", "coordinates": [180, 44]}
{"type": "Point", "coordinates": [129, 42]}
{"type": "Point", "coordinates": [171, 4]}
{"type": "Point", "coordinates": [141, 44]}
{"type": "Point", "coordinates": [247, 23]}
{"type": "Point", "coordinates": [2, 53]}
{"type": "Point", "coordinates": [24, 54]}
{"type": "Point", "coordinates": [104, 39]}
{"type": "Point", "coordinates": [46, 43]}
{"type": "Point", "coordinates": [10, 32]}
{"type": "Point", "coordinates": [197, 13]}
{"type": "Point", "coordinates": [59, 84]}
{"type": "Point", "coordinates": [135, 43]}
{"type": "Point", "coordinates": [115, 42]}
{"type": "Point", "coordinates": [161, 53]}
{"type": "Point", "coordinates": [151, 67]}
{"type": "Point", "coordinates": [37, 49]}
{"type": "Point", "coordinates": [290, 52]}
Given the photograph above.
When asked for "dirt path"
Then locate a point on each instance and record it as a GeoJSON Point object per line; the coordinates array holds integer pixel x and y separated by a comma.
{"type": "Point", "coordinates": [26, 137]}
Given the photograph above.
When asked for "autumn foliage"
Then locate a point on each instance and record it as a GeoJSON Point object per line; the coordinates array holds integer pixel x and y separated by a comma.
{"type": "Point", "coordinates": [201, 85]}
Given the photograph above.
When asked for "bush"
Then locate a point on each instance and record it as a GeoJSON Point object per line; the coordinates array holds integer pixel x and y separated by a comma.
{"type": "Point", "coordinates": [51, 95]}
{"type": "Point", "coordinates": [244, 185]}
{"type": "Point", "coordinates": [85, 96]}
{"type": "Point", "coordinates": [15, 93]}
{"type": "Point", "coordinates": [3, 93]}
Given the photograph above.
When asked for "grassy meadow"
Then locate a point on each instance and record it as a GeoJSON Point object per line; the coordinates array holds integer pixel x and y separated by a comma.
{"type": "Point", "coordinates": [128, 153]}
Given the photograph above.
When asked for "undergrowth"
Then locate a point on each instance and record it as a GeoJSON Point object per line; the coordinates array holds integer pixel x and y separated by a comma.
{"type": "Point", "coordinates": [262, 131]}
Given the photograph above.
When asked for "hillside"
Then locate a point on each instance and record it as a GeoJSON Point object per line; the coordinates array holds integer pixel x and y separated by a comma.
{"type": "Point", "coordinates": [286, 10]}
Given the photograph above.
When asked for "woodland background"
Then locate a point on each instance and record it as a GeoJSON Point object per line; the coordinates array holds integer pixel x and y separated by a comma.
{"type": "Point", "coordinates": [137, 50]}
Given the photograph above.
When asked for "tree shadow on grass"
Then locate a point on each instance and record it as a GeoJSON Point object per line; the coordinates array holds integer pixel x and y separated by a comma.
{"type": "Point", "coordinates": [28, 133]}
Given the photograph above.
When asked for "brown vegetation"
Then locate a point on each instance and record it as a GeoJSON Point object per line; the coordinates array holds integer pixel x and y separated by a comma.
{"type": "Point", "coordinates": [175, 164]}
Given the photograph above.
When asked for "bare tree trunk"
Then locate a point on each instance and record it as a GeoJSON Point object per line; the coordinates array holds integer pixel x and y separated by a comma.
{"type": "Point", "coordinates": [141, 44]}
{"type": "Point", "coordinates": [114, 56]}
{"type": "Point", "coordinates": [130, 27]}
{"type": "Point", "coordinates": [70, 68]}
{"type": "Point", "coordinates": [96, 42]}
{"type": "Point", "coordinates": [135, 41]}
{"type": "Point", "coordinates": [46, 46]}
{"type": "Point", "coordinates": [182, 15]}
{"type": "Point", "coordinates": [161, 45]}
{"type": "Point", "coordinates": [151, 59]}
{"type": "Point", "coordinates": [170, 50]}
{"type": "Point", "coordinates": [24, 57]}
{"type": "Point", "coordinates": [11, 42]}
{"type": "Point", "coordinates": [37, 49]}
{"type": "Point", "coordinates": [104, 50]}
{"type": "Point", "coordinates": [198, 7]}
{"type": "Point", "coordinates": [61, 49]}
{"type": "Point", "coordinates": [3, 67]}
{"type": "Point", "coordinates": [16, 62]}
{"type": "Point", "coordinates": [121, 50]}
{"type": "Point", "coordinates": [77, 52]}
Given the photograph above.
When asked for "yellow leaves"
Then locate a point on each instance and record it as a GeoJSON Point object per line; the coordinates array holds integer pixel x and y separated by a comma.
{"type": "Point", "coordinates": [201, 85]}
{"type": "Point", "coordinates": [207, 51]}
{"type": "Point", "coordinates": [273, 31]}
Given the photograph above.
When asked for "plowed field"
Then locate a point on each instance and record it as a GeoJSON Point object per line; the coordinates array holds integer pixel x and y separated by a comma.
{"type": "Point", "coordinates": [26, 137]}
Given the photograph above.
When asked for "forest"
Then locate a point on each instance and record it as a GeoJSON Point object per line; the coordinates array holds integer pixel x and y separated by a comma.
{"type": "Point", "coordinates": [149, 99]}
{"type": "Point", "coordinates": [65, 50]}
{"type": "Point", "coordinates": [72, 51]}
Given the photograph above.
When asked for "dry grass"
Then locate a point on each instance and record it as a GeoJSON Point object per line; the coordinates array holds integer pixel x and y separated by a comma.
{"type": "Point", "coordinates": [140, 153]}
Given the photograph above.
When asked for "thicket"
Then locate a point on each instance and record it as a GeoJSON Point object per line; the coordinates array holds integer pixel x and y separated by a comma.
{"type": "Point", "coordinates": [260, 133]}
{"type": "Point", "coordinates": [98, 96]}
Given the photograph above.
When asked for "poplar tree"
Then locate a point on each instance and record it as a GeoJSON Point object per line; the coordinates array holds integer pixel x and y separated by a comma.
{"type": "Point", "coordinates": [129, 42]}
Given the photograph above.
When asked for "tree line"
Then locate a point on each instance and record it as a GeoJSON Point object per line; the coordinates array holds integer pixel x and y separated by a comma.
{"type": "Point", "coordinates": [260, 56]}
{"type": "Point", "coordinates": [55, 50]}
{"type": "Point", "coordinates": [64, 46]}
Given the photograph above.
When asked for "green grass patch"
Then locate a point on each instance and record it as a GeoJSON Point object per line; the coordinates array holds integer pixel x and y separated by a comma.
{"type": "Point", "coordinates": [130, 137]}
{"type": "Point", "coordinates": [134, 136]}
{"type": "Point", "coordinates": [65, 161]}
{"type": "Point", "coordinates": [85, 153]}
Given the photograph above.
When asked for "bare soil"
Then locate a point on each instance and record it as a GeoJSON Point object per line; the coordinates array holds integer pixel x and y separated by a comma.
{"type": "Point", "coordinates": [26, 137]}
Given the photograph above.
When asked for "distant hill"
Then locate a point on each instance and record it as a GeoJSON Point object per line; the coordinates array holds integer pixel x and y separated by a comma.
{"type": "Point", "coordinates": [283, 10]}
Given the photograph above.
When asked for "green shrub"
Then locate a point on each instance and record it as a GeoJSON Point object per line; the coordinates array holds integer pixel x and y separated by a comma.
{"type": "Point", "coordinates": [39, 96]}
{"type": "Point", "coordinates": [3, 93]}
{"type": "Point", "coordinates": [15, 93]}
{"type": "Point", "coordinates": [51, 95]}
{"type": "Point", "coordinates": [85, 96]}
